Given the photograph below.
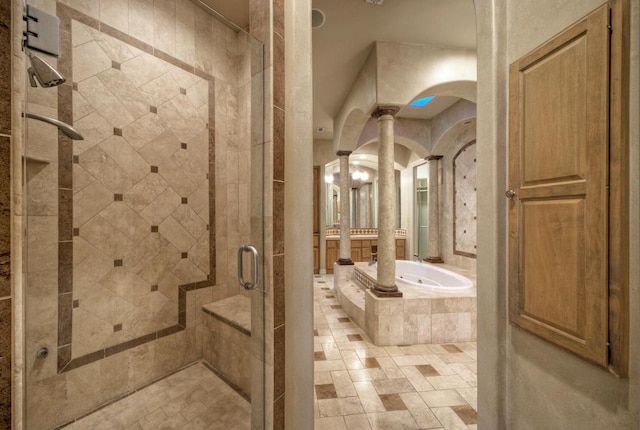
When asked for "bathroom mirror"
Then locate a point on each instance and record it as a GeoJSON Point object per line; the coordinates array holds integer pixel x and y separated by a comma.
{"type": "Point", "coordinates": [363, 202]}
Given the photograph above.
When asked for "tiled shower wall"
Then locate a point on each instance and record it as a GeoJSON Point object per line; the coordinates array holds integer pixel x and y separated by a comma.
{"type": "Point", "coordinates": [458, 203]}
{"type": "Point", "coordinates": [131, 230]}
{"type": "Point", "coordinates": [6, 298]}
{"type": "Point", "coordinates": [464, 201]}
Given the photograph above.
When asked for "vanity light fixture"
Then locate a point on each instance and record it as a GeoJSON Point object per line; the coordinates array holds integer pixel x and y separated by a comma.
{"type": "Point", "coordinates": [328, 179]}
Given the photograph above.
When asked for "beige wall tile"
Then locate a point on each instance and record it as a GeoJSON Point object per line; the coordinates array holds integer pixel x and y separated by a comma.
{"type": "Point", "coordinates": [140, 26]}
{"type": "Point", "coordinates": [164, 34]}
{"type": "Point", "coordinates": [88, 7]}
{"type": "Point", "coordinates": [94, 129]}
{"type": "Point", "coordinates": [89, 60]}
{"type": "Point", "coordinates": [115, 14]}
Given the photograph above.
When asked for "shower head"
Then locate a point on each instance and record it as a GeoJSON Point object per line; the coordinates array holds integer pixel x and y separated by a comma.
{"type": "Point", "coordinates": [65, 128]}
{"type": "Point", "coordinates": [44, 72]}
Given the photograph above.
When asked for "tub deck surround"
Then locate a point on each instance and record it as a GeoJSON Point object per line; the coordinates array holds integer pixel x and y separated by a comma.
{"type": "Point", "coordinates": [227, 341]}
{"type": "Point", "coordinates": [420, 316]}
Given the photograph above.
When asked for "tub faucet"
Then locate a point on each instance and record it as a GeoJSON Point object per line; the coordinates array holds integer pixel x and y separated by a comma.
{"type": "Point", "coordinates": [373, 259]}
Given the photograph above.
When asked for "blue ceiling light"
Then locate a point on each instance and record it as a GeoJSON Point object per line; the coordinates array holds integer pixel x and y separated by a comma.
{"type": "Point", "coordinates": [422, 101]}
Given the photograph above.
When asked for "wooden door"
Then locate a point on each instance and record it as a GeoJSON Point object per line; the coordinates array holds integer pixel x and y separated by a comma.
{"type": "Point", "coordinates": [558, 169]}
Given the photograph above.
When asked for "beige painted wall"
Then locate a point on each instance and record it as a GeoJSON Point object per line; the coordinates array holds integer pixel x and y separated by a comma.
{"type": "Point", "coordinates": [525, 383]}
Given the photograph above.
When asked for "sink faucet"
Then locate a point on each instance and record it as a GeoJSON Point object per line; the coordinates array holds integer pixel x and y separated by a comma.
{"type": "Point", "coordinates": [417, 258]}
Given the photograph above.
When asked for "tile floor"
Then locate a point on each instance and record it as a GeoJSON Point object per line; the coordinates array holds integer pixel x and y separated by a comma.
{"type": "Point", "coordinates": [193, 398]}
{"type": "Point", "coordinates": [358, 386]}
{"type": "Point", "coordinates": [361, 386]}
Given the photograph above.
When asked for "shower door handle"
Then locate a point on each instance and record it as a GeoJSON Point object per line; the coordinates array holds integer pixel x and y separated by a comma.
{"type": "Point", "coordinates": [254, 281]}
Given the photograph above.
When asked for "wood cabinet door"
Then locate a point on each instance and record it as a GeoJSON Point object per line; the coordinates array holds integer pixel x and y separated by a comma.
{"type": "Point", "coordinates": [558, 169]}
{"type": "Point", "coordinates": [331, 254]}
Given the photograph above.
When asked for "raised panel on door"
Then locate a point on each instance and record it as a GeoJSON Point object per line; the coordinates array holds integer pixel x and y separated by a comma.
{"type": "Point", "coordinates": [553, 268]}
{"type": "Point", "coordinates": [558, 168]}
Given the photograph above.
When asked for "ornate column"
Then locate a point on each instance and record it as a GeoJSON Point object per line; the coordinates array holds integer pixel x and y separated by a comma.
{"type": "Point", "coordinates": [386, 284]}
{"type": "Point", "coordinates": [433, 241]}
{"type": "Point", "coordinates": [345, 223]}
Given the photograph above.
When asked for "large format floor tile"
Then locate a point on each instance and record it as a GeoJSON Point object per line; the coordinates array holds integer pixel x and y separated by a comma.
{"type": "Point", "coordinates": [357, 386]}
{"type": "Point", "coordinates": [363, 386]}
{"type": "Point", "coordinates": [193, 398]}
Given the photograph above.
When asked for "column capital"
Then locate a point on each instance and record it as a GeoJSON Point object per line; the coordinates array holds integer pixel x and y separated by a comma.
{"type": "Point", "coordinates": [343, 153]}
{"type": "Point", "coordinates": [385, 110]}
{"type": "Point", "coordinates": [433, 157]}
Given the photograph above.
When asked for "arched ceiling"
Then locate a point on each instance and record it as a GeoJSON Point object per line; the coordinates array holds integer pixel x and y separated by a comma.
{"type": "Point", "coordinates": [342, 44]}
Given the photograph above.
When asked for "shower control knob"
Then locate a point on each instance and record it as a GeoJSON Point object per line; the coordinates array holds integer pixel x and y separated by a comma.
{"type": "Point", "coordinates": [42, 352]}
{"type": "Point", "coordinates": [510, 194]}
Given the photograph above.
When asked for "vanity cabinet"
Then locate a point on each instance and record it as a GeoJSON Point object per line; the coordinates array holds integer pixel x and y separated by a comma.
{"type": "Point", "coordinates": [360, 250]}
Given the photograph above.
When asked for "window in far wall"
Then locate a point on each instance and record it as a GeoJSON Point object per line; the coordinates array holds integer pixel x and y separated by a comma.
{"type": "Point", "coordinates": [421, 215]}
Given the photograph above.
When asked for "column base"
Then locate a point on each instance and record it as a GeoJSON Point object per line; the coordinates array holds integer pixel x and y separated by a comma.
{"type": "Point", "coordinates": [345, 262]}
{"type": "Point", "coordinates": [433, 260]}
{"type": "Point", "coordinates": [386, 293]}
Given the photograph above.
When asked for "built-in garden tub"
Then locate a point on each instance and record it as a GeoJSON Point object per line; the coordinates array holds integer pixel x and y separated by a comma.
{"type": "Point", "coordinates": [430, 277]}
{"type": "Point", "coordinates": [438, 304]}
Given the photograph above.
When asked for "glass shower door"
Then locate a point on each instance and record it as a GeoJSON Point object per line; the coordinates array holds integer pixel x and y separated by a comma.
{"type": "Point", "coordinates": [133, 231]}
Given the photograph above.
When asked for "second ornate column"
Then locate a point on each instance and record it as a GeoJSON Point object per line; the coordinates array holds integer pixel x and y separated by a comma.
{"type": "Point", "coordinates": [386, 284]}
{"type": "Point", "coordinates": [433, 238]}
{"type": "Point", "coordinates": [345, 219]}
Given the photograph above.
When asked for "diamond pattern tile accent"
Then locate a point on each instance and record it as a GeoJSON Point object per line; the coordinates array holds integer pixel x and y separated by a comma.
{"type": "Point", "coordinates": [139, 219]}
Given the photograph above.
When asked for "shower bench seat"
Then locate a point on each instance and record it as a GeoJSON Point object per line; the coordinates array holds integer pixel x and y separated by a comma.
{"type": "Point", "coordinates": [227, 341]}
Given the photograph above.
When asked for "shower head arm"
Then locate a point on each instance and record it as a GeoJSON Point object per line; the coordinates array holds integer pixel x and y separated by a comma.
{"type": "Point", "coordinates": [64, 127]}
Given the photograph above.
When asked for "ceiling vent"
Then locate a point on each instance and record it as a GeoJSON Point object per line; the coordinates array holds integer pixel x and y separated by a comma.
{"type": "Point", "coordinates": [377, 2]}
{"type": "Point", "coordinates": [317, 18]}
